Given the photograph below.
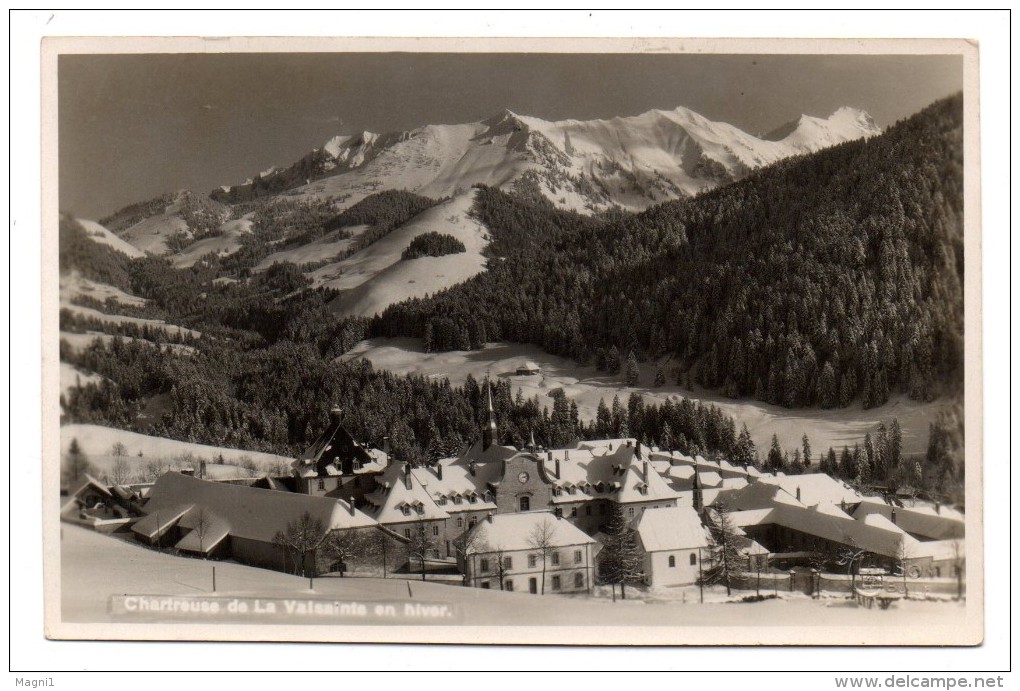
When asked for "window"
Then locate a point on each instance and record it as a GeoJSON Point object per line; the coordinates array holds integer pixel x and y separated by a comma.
{"type": "Point", "coordinates": [485, 585]}
{"type": "Point", "coordinates": [442, 501]}
{"type": "Point", "coordinates": [472, 523]}
{"type": "Point", "coordinates": [577, 556]}
{"type": "Point", "coordinates": [471, 499]}
{"type": "Point", "coordinates": [672, 561]}
{"type": "Point", "coordinates": [435, 531]}
{"type": "Point", "coordinates": [573, 511]}
{"type": "Point", "coordinates": [460, 521]}
{"type": "Point", "coordinates": [322, 484]}
{"type": "Point", "coordinates": [508, 585]}
{"type": "Point", "coordinates": [508, 563]}
{"type": "Point", "coordinates": [407, 532]}
{"type": "Point", "coordinates": [555, 558]}
{"type": "Point", "coordinates": [694, 559]}
{"type": "Point", "coordinates": [420, 509]}
{"type": "Point", "coordinates": [525, 504]}
{"type": "Point", "coordinates": [630, 512]}
{"type": "Point", "coordinates": [483, 565]}
{"type": "Point", "coordinates": [578, 580]}
{"type": "Point", "coordinates": [587, 510]}
{"type": "Point", "coordinates": [406, 510]}
{"type": "Point", "coordinates": [531, 561]}
{"type": "Point", "coordinates": [556, 583]}
{"type": "Point", "coordinates": [456, 499]}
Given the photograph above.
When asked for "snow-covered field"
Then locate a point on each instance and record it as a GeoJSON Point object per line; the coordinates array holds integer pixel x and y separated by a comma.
{"type": "Point", "coordinates": [587, 385]}
{"type": "Point", "coordinates": [74, 284]}
{"type": "Point", "coordinates": [97, 443]}
{"type": "Point", "coordinates": [229, 241]}
{"type": "Point", "coordinates": [95, 567]}
{"type": "Point", "coordinates": [377, 277]}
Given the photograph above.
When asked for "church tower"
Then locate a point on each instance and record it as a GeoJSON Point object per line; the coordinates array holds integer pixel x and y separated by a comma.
{"type": "Point", "coordinates": [489, 431]}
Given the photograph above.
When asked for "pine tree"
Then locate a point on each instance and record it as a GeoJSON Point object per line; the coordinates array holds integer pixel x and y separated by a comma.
{"type": "Point", "coordinates": [633, 372]}
{"type": "Point", "coordinates": [806, 445]}
{"type": "Point", "coordinates": [726, 563]}
{"type": "Point", "coordinates": [895, 444]}
{"type": "Point", "coordinates": [660, 377]}
{"type": "Point", "coordinates": [620, 559]}
{"type": "Point", "coordinates": [774, 461]}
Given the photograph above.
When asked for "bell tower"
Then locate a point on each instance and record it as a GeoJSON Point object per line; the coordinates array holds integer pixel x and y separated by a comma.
{"type": "Point", "coordinates": [489, 432]}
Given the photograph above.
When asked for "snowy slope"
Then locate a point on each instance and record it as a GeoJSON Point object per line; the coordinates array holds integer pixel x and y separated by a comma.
{"type": "Point", "coordinates": [103, 236]}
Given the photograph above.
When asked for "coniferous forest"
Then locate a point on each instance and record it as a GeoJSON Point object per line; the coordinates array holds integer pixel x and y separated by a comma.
{"type": "Point", "coordinates": [822, 280]}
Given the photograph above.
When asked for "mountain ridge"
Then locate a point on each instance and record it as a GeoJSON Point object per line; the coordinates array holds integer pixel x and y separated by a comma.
{"type": "Point", "coordinates": [584, 165]}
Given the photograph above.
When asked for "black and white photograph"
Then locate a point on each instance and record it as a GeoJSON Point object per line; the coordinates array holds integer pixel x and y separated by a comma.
{"type": "Point", "coordinates": [534, 342]}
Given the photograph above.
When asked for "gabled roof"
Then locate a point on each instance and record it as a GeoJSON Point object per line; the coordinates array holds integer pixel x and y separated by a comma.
{"type": "Point", "coordinates": [671, 528]}
{"type": "Point", "coordinates": [250, 513]}
{"type": "Point", "coordinates": [459, 482]}
{"type": "Point", "coordinates": [94, 484]}
{"type": "Point", "coordinates": [385, 503]}
{"type": "Point", "coordinates": [916, 521]}
{"type": "Point", "coordinates": [816, 488]}
{"type": "Point", "coordinates": [758, 495]}
{"type": "Point", "coordinates": [512, 532]}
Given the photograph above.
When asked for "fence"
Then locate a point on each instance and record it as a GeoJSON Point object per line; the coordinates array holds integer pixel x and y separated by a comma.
{"type": "Point", "coordinates": [810, 583]}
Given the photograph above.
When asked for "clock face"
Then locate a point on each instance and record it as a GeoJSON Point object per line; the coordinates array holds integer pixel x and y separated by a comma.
{"type": "Point", "coordinates": [523, 477]}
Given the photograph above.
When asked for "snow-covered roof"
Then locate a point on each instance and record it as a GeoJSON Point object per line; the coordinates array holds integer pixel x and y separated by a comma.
{"type": "Point", "coordinates": [249, 512]}
{"type": "Point", "coordinates": [670, 528]}
{"type": "Point", "coordinates": [513, 531]}
{"type": "Point", "coordinates": [916, 520]}
{"type": "Point", "coordinates": [816, 488]}
{"type": "Point", "coordinates": [392, 501]}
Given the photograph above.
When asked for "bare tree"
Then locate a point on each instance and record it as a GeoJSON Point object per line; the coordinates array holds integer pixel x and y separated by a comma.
{"type": "Point", "coordinates": [121, 471]}
{"type": "Point", "coordinates": [959, 562]}
{"type": "Point", "coordinates": [247, 463]}
{"type": "Point", "coordinates": [154, 469]}
{"type": "Point", "coordinates": [118, 450]}
{"type": "Point", "coordinates": [302, 536]}
{"type": "Point", "coordinates": [344, 546]}
{"type": "Point", "coordinates": [201, 529]}
{"type": "Point", "coordinates": [849, 555]}
{"type": "Point", "coordinates": [421, 544]}
{"type": "Point", "coordinates": [541, 539]}
{"type": "Point", "coordinates": [904, 554]}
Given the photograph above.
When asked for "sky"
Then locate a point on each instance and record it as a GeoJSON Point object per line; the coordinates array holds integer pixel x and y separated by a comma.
{"type": "Point", "coordinates": [132, 127]}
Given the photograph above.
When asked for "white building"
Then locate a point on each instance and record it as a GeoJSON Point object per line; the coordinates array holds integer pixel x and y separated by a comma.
{"type": "Point", "coordinates": [672, 541]}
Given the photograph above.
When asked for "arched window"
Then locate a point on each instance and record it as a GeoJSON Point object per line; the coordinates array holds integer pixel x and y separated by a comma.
{"type": "Point", "coordinates": [694, 559]}
{"type": "Point", "coordinates": [525, 503]}
{"type": "Point", "coordinates": [672, 561]}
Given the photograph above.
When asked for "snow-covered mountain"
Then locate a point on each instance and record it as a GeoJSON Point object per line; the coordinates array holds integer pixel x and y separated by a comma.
{"type": "Point", "coordinates": [632, 162]}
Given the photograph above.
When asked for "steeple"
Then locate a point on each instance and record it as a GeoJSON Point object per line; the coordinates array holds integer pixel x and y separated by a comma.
{"type": "Point", "coordinates": [699, 502]}
{"type": "Point", "coordinates": [489, 431]}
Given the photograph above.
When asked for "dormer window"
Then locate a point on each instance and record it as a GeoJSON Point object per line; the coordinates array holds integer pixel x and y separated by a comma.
{"type": "Point", "coordinates": [420, 509]}
{"type": "Point", "coordinates": [442, 500]}
{"type": "Point", "coordinates": [406, 510]}
{"type": "Point", "coordinates": [457, 499]}
{"type": "Point", "coordinates": [572, 490]}
{"type": "Point", "coordinates": [471, 499]}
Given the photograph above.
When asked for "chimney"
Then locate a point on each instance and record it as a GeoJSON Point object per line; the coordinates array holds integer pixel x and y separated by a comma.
{"type": "Point", "coordinates": [637, 450]}
{"type": "Point", "coordinates": [201, 468]}
{"type": "Point", "coordinates": [628, 443]}
{"type": "Point", "coordinates": [892, 516]}
{"type": "Point", "coordinates": [386, 449]}
{"type": "Point", "coordinates": [407, 475]}
{"type": "Point", "coordinates": [938, 507]}
{"type": "Point", "coordinates": [351, 500]}
{"type": "Point", "coordinates": [566, 455]}
{"type": "Point", "coordinates": [549, 455]}
{"type": "Point", "coordinates": [558, 476]}
{"type": "Point", "coordinates": [644, 470]}
{"type": "Point", "coordinates": [472, 467]}
{"type": "Point", "coordinates": [798, 492]}
{"type": "Point", "coordinates": [439, 470]}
